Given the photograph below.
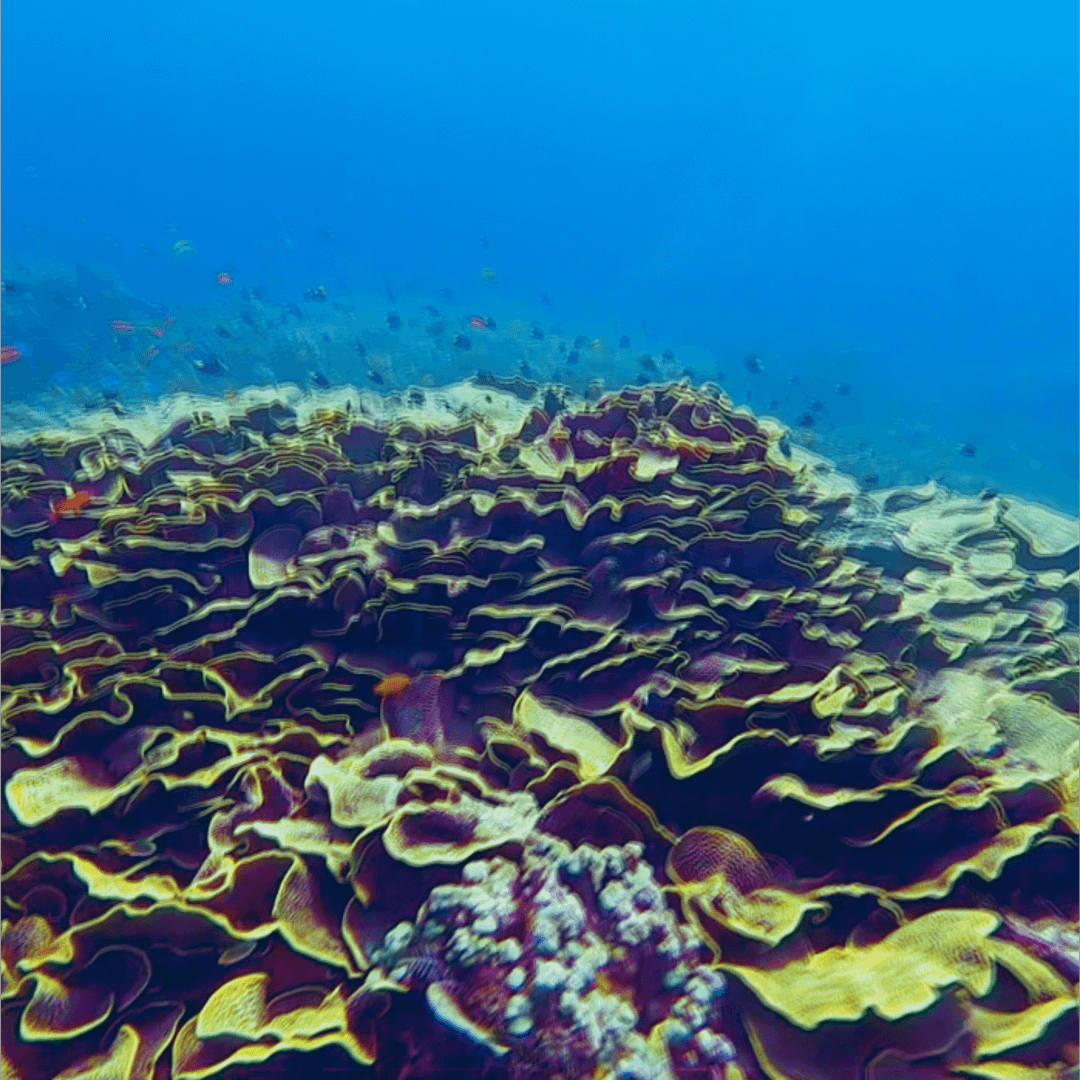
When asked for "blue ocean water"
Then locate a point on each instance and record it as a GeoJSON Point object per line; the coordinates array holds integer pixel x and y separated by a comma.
{"type": "Point", "coordinates": [878, 203]}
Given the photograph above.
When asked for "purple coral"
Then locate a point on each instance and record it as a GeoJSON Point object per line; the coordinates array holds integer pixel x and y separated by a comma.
{"type": "Point", "coordinates": [574, 960]}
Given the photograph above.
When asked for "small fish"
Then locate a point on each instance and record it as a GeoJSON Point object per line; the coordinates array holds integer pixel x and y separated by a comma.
{"type": "Point", "coordinates": [537, 333]}
{"type": "Point", "coordinates": [572, 356]}
{"type": "Point", "coordinates": [597, 344]}
{"type": "Point", "coordinates": [478, 321]}
{"type": "Point", "coordinates": [157, 331]}
{"type": "Point", "coordinates": [222, 332]}
{"type": "Point", "coordinates": [624, 342]}
{"type": "Point", "coordinates": [489, 274]}
{"type": "Point", "coordinates": [806, 420]}
{"type": "Point", "coordinates": [641, 766]}
{"type": "Point", "coordinates": [9, 354]}
{"type": "Point", "coordinates": [224, 279]}
{"type": "Point", "coordinates": [753, 363]}
{"type": "Point", "coordinates": [122, 326]}
{"type": "Point", "coordinates": [393, 320]}
{"type": "Point", "coordinates": [647, 362]}
{"type": "Point", "coordinates": [668, 355]}
{"type": "Point", "coordinates": [843, 388]}
{"type": "Point", "coordinates": [318, 293]}
{"type": "Point", "coordinates": [375, 376]}
{"type": "Point", "coordinates": [392, 685]}
{"type": "Point", "coordinates": [968, 450]}
{"type": "Point", "coordinates": [484, 242]}
{"type": "Point", "coordinates": [73, 504]}
{"type": "Point", "coordinates": [462, 342]}
{"type": "Point", "coordinates": [319, 379]}
{"type": "Point", "coordinates": [209, 367]}
{"type": "Point", "coordinates": [545, 299]}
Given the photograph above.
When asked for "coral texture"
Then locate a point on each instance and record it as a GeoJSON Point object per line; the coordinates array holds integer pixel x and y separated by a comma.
{"type": "Point", "coordinates": [611, 740]}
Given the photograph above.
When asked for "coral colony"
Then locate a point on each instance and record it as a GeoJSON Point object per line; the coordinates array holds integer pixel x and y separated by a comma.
{"type": "Point", "coordinates": [480, 738]}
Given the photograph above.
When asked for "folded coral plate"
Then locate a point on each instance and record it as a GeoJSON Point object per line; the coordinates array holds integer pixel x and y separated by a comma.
{"type": "Point", "coordinates": [347, 736]}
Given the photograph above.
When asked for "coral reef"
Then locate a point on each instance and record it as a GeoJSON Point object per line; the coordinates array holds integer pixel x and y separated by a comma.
{"type": "Point", "coordinates": [619, 739]}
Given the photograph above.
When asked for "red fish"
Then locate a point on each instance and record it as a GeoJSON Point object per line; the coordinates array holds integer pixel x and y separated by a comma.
{"type": "Point", "coordinates": [393, 685]}
{"type": "Point", "coordinates": [122, 326]}
{"type": "Point", "coordinates": [73, 504]}
{"type": "Point", "coordinates": [9, 354]}
{"type": "Point", "coordinates": [478, 321]}
{"type": "Point", "coordinates": [157, 331]}
{"type": "Point", "coordinates": [224, 279]}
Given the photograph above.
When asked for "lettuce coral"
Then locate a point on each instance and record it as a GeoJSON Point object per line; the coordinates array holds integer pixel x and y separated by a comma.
{"type": "Point", "coordinates": [621, 742]}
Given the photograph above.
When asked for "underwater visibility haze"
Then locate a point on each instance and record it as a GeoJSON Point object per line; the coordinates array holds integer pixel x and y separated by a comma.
{"type": "Point", "coordinates": [539, 541]}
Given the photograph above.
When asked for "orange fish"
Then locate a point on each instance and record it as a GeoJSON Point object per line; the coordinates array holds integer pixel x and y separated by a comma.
{"type": "Point", "coordinates": [224, 279]}
{"type": "Point", "coordinates": [9, 354]}
{"type": "Point", "coordinates": [392, 685]}
{"type": "Point", "coordinates": [73, 504]}
{"type": "Point", "coordinates": [122, 326]}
